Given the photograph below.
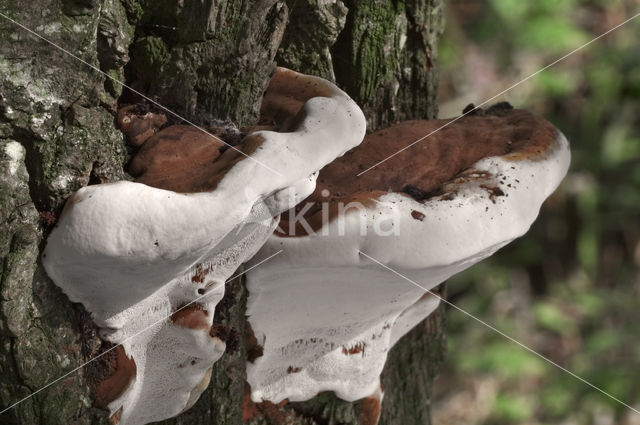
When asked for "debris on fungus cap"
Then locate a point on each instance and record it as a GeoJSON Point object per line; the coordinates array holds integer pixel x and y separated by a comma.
{"type": "Point", "coordinates": [136, 254]}
{"type": "Point", "coordinates": [138, 124]}
{"type": "Point", "coordinates": [324, 315]}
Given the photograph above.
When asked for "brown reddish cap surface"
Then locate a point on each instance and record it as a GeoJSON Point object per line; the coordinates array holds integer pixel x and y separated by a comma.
{"type": "Point", "coordinates": [177, 158]}
{"type": "Point", "coordinates": [422, 170]}
{"type": "Point", "coordinates": [193, 316]}
{"type": "Point", "coordinates": [139, 125]}
{"type": "Point", "coordinates": [287, 92]}
{"type": "Point", "coordinates": [185, 159]}
{"type": "Point", "coordinates": [120, 371]}
{"type": "Point", "coordinates": [370, 409]}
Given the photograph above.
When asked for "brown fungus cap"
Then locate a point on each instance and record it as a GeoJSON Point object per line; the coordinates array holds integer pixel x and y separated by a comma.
{"type": "Point", "coordinates": [139, 124]}
{"type": "Point", "coordinates": [423, 170]}
{"type": "Point", "coordinates": [187, 159]}
{"type": "Point", "coordinates": [193, 316]}
{"type": "Point", "coordinates": [177, 158]}
{"type": "Point", "coordinates": [328, 305]}
{"type": "Point", "coordinates": [285, 96]}
{"type": "Point", "coordinates": [119, 372]}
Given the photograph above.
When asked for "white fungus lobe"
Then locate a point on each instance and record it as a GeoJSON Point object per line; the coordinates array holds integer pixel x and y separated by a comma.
{"type": "Point", "coordinates": [133, 254]}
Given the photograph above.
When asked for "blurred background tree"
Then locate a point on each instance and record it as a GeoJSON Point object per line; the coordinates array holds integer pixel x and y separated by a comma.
{"type": "Point", "coordinates": [570, 288]}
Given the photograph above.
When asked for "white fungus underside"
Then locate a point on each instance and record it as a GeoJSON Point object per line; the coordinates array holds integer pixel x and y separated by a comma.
{"type": "Point", "coordinates": [172, 361]}
{"type": "Point", "coordinates": [320, 294]}
{"type": "Point", "coordinates": [128, 252]}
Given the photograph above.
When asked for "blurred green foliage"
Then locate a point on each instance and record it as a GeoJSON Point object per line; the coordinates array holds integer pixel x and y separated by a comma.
{"type": "Point", "coordinates": [570, 289]}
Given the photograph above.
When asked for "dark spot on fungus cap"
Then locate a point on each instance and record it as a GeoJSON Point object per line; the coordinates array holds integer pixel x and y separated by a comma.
{"type": "Point", "coordinates": [419, 194]}
{"type": "Point", "coordinates": [254, 349]}
{"type": "Point", "coordinates": [355, 349]}
{"type": "Point", "coordinates": [200, 273]}
{"type": "Point", "coordinates": [500, 108]}
{"type": "Point", "coordinates": [417, 215]}
{"type": "Point", "coordinates": [494, 191]}
{"type": "Point", "coordinates": [470, 109]}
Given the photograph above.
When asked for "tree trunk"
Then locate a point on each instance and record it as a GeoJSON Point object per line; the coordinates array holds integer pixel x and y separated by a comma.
{"type": "Point", "coordinates": [204, 60]}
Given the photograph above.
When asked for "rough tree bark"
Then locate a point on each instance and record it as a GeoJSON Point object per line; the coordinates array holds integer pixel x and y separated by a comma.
{"type": "Point", "coordinates": [205, 60]}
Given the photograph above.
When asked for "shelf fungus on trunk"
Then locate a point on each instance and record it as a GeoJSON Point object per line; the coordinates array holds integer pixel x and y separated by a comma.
{"type": "Point", "coordinates": [324, 315]}
{"type": "Point", "coordinates": [136, 254]}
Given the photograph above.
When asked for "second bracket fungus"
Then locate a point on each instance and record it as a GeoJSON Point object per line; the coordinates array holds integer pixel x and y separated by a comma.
{"type": "Point", "coordinates": [136, 253]}
{"type": "Point", "coordinates": [324, 313]}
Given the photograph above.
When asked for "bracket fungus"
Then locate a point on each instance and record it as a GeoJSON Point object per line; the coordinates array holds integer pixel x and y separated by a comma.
{"type": "Point", "coordinates": [136, 254]}
{"type": "Point", "coordinates": [323, 312]}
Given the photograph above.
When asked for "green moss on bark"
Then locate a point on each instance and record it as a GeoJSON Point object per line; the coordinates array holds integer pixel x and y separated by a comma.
{"type": "Point", "coordinates": [384, 58]}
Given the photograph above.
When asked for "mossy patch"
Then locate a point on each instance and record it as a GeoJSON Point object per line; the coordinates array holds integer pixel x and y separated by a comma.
{"type": "Point", "coordinates": [149, 54]}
